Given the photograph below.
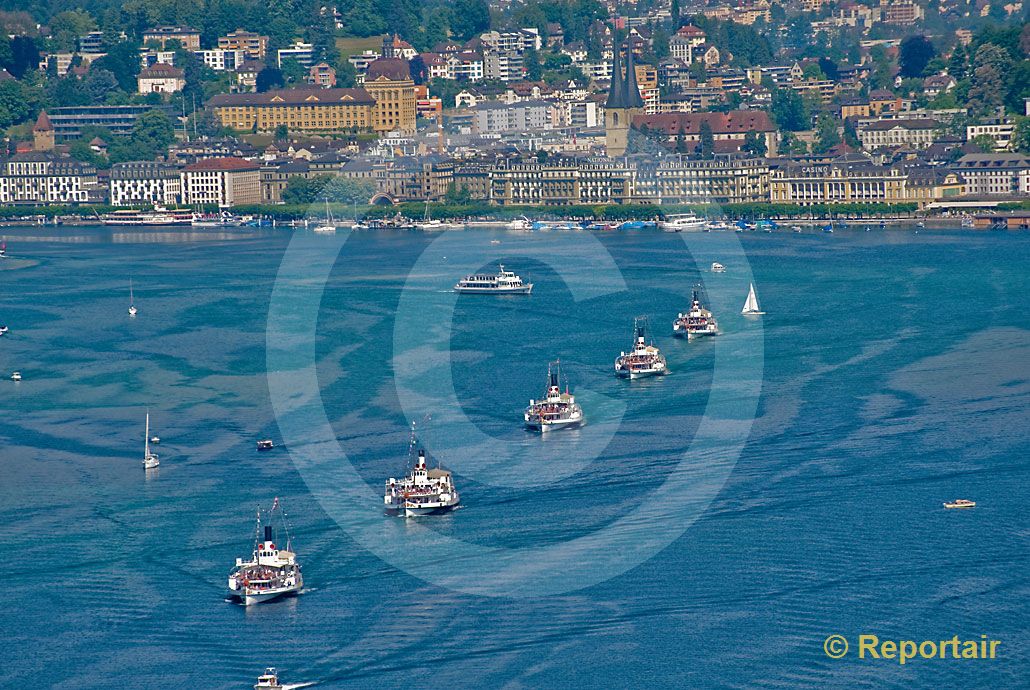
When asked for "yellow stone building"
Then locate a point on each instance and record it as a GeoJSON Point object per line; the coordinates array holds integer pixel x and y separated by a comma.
{"type": "Point", "coordinates": [389, 82]}
{"type": "Point", "coordinates": [301, 110]}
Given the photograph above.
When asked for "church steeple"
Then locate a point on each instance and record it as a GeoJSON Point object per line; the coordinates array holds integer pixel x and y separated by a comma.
{"type": "Point", "coordinates": [633, 99]}
{"type": "Point", "coordinates": [623, 102]}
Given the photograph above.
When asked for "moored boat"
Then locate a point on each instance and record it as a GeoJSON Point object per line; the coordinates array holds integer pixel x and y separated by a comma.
{"type": "Point", "coordinates": [644, 359]}
{"type": "Point", "coordinates": [557, 409]}
{"type": "Point", "coordinates": [158, 216]}
{"type": "Point", "coordinates": [683, 222]}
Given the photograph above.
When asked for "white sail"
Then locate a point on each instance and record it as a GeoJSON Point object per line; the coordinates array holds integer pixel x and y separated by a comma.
{"type": "Point", "coordinates": [150, 460]}
{"type": "Point", "coordinates": [751, 304]}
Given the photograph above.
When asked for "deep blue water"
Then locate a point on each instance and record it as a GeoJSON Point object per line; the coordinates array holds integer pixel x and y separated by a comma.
{"type": "Point", "coordinates": [893, 373]}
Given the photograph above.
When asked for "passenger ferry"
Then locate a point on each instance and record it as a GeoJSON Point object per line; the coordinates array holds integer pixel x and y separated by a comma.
{"type": "Point", "coordinates": [644, 360]}
{"type": "Point", "coordinates": [270, 573]}
{"type": "Point", "coordinates": [424, 491]}
{"type": "Point", "coordinates": [557, 409]}
{"type": "Point", "coordinates": [683, 222]}
{"type": "Point", "coordinates": [159, 216]}
{"type": "Point", "coordinates": [697, 322]}
{"type": "Point", "coordinates": [502, 283]}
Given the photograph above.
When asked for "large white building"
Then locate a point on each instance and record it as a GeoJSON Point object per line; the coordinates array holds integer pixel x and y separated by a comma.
{"type": "Point", "coordinates": [496, 117]}
{"type": "Point", "coordinates": [144, 182]}
{"type": "Point", "coordinates": [224, 182]}
{"type": "Point", "coordinates": [39, 177]}
{"type": "Point", "coordinates": [994, 174]}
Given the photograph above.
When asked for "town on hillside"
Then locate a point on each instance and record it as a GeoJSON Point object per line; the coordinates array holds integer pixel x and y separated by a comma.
{"type": "Point", "coordinates": [917, 104]}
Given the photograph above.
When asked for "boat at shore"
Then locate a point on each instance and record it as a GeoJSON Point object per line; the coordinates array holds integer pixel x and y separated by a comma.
{"type": "Point", "coordinates": [225, 219]}
{"type": "Point", "coordinates": [159, 216]}
{"type": "Point", "coordinates": [644, 359]}
{"type": "Point", "coordinates": [697, 321]}
{"type": "Point", "coordinates": [557, 409]}
{"type": "Point", "coordinates": [271, 572]}
{"type": "Point", "coordinates": [501, 283]}
{"type": "Point", "coordinates": [683, 222]}
{"type": "Point", "coordinates": [424, 491]}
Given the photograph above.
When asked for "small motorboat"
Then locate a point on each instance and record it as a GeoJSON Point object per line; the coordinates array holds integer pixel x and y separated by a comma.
{"type": "Point", "coordinates": [265, 444]}
{"type": "Point", "coordinates": [269, 680]}
{"type": "Point", "coordinates": [155, 439]}
{"type": "Point", "coordinates": [960, 503]}
{"type": "Point", "coordinates": [718, 267]}
{"type": "Point", "coordinates": [3, 329]}
{"type": "Point", "coordinates": [16, 376]}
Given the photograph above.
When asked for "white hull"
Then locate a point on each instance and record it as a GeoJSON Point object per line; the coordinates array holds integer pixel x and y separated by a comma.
{"type": "Point", "coordinates": [640, 373]}
{"type": "Point", "coordinates": [752, 313]}
{"type": "Point", "coordinates": [690, 335]}
{"type": "Point", "coordinates": [523, 290]}
{"type": "Point", "coordinates": [418, 511]}
{"type": "Point", "coordinates": [251, 597]}
{"type": "Point", "coordinates": [552, 425]}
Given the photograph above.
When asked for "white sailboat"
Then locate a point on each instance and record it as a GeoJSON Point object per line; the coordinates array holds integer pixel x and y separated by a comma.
{"type": "Point", "coordinates": [150, 460]}
{"type": "Point", "coordinates": [329, 226]}
{"type": "Point", "coordinates": [132, 301]}
{"type": "Point", "coordinates": [751, 304]}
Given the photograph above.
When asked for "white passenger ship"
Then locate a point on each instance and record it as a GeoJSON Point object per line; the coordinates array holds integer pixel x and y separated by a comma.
{"type": "Point", "coordinates": [502, 283]}
{"type": "Point", "coordinates": [271, 572]}
{"type": "Point", "coordinates": [683, 222]}
{"type": "Point", "coordinates": [697, 322]}
{"type": "Point", "coordinates": [557, 409]}
{"type": "Point", "coordinates": [644, 360]}
{"type": "Point", "coordinates": [424, 491]}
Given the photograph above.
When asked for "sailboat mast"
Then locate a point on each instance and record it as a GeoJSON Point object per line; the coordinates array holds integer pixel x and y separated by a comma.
{"type": "Point", "coordinates": [146, 441]}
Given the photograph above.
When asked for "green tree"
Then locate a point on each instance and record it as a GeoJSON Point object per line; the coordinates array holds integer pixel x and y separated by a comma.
{"type": "Point", "coordinates": [706, 147]}
{"type": "Point", "coordinates": [470, 18]}
{"type": "Point", "coordinates": [789, 110]}
{"type": "Point", "coordinates": [914, 54]}
{"type": "Point", "coordinates": [282, 133]}
{"type": "Point", "coordinates": [293, 72]}
{"type": "Point", "coordinates": [67, 26]}
{"type": "Point", "coordinates": [269, 78]}
{"type": "Point", "coordinates": [826, 134]}
{"type": "Point", "coordinates": [14, 105]}
{"type": "Point", "coordinates": [754, 145]}
{"type": "Point", "coordinates": [1021, 136]}
{"type": "Point", "coordinates": [984, 142]}
{"type": "Point", "coordinates": [152, 133]}
{"type": "Point", "coordinates": [987, 88]}
{"type": "Point", "coordinates": [123, 62]}
{"type": "Point", "coordinates": [99, 83]}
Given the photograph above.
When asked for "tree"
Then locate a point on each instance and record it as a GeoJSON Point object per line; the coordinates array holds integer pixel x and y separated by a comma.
{"type": "Point", "coordinates": [67, 26]}
{"type": "Point", "coordinates": [826, 134]}
{"type": "Point", "coordinates": [25, 56]}
{"type": "Point", "coordinates": [99, 83]}
{"type": "Point", "coordinates": [534, 68]}
{"type": "Point", "coordinates": [341, 190]}
{"type": "Point", "coordinates": [470, 18]}
{"type": "Point", "coordinates": [987, 89]}
{"type": "Point", "coordinates": [14, 107]}
{"type": "Point", "coordinates": [269, 78]}
{"type": "Point", "coordinates": [122, 60]}
{"type": "Point", "coordinates": [152, 133]}
{"type": "Point", "coordinates": [914, 54]}
{"type": "Point", "coordinates": [1021, 136]}
{"type": "Point", "coordinates": [984, 142]}
{"type": "Point", "coordinates": [754, 145]}
{"type": "Point", "coordinates": [282, 133]}
{"type": "Point", "coordinates": [293, 72]}
{"type": "Point", "coordinates": [706, 147]}
{"type": "Point", "coordinates": [789, 110]}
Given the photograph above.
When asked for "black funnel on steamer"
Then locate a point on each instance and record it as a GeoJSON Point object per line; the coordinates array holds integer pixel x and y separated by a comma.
{"type": "Point", "coordinates": [268, 533]}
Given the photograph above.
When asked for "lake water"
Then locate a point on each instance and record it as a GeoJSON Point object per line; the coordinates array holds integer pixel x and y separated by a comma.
{"type": "Point", "coordinates": [707, 529]}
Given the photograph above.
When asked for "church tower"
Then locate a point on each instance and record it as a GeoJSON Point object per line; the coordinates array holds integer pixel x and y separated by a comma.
{"type": "Point", "coordinates": [43, 133]}
{"type": "Point", "coordinates": [624, 102]}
